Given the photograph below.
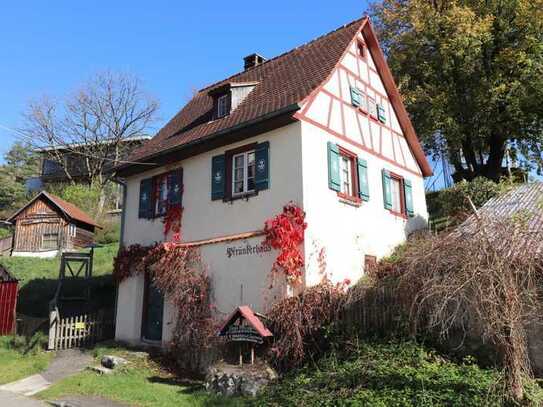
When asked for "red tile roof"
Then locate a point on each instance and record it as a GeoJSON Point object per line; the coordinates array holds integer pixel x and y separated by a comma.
{"type": "Point", "coordinates": [250, 316]}
{"type": "Point", "coordinates": [283, 83]}
{"type": "Point", "coordinates": [70, 210]}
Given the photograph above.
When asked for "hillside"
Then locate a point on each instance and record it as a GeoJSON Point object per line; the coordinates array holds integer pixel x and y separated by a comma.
{"type": "Point", "coordinates": [38, 279]}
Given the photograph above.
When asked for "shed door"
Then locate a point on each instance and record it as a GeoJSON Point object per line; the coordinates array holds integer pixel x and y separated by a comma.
{"type": "Point", "coordinates": [153, 310]}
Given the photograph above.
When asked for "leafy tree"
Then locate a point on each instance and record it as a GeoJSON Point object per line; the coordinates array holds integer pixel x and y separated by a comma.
{"type": "Point", "coordinates": [471, 73]}
{"type": "Point", "coordinates": [21, 162]}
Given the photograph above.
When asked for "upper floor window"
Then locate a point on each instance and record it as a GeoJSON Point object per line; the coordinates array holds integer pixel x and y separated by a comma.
{"type": "Point", "coordinates": [362, 49]}
{"type": "Point", "coordinates": [223, 105]}
{"type": "Point", "coordinates": [159, 193]}
{"type": "Point", "coordinates": [240, 172]}
{"type": "Point", "coordinates": [397, 194]}
{"type": "Point", "coordinates": [347, 174]}
{"type": "Point", "coordinates": [243, 170]}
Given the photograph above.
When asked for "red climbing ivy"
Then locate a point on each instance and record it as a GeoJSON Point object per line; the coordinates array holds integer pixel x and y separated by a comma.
{"type": "Point", "coordinates": [172, 222]}
{"type": "Point", "coordinates": [179, 273]}
{"type": "Point", "coordinates": [285, 232]}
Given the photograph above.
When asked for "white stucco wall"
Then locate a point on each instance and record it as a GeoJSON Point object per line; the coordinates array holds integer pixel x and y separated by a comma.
{"type": "Point", "coordinates": [345, 232]}
{"type": "Point", "coordinates": [205, 219]}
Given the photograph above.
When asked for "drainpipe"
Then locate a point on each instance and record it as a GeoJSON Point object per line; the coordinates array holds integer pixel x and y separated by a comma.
{"type": "Point", "coordinates": [122, 183]}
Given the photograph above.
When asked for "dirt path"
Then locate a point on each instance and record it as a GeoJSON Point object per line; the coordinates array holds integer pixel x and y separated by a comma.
{"type": "Point", "coordinates": [65, 363]}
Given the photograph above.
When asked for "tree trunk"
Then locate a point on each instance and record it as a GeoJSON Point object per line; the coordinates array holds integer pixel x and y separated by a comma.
{"type": "Point", "coordinates": [514, 362]}
{"type": "Point", "coordinates": [493, 166]}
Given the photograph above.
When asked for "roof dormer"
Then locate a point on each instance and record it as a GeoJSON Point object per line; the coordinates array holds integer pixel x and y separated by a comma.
{"type": "Point", "coordinates": [227, 97]}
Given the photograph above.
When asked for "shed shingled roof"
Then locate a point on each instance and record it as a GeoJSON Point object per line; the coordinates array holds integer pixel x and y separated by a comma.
{"type": "Point", "coordinates": [70, 210]}
{"type": "Point", "coordinates": [282, 82]}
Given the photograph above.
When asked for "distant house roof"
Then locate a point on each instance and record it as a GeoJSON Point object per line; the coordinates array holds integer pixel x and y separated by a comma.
{"type": "Point", "coordinates": [282, 85]}
{"type": "Point", "coordinates": [69, 210]}
{"type": "Point", "coordinates": [247, 313]}
{"type": "Point", "coordinates": [142, 138]}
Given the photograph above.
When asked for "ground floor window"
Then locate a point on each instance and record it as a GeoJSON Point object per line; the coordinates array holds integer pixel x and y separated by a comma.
{"type": "Point", "coordinates": [49, 241]}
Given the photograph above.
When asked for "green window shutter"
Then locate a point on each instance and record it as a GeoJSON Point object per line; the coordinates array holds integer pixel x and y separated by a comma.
{"type": "Point", "coordinates": [408, 191]}
{"type": "Point", "coordinates": [175, 187]}
{"type": "Point", "coordinates": [387, 190]}
{"type": "Point", "coordinates": [218, 175]}
{"type": "Point", "coordinates": [355, 96]}
{"type": "Point", "coordinates": [146, 199]}
{"type": "Point", "coordinates": [363, 187]}
{"type": "Point", "coordinates": [334, 181]}
{"type": "Point", "coordinates": [381, 114]}
{"type": "Point", "coordinates": [262, 166]}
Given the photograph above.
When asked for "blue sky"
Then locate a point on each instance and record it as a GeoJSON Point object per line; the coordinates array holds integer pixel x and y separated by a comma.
{"type": "Point", "coordinates": [50, 47]}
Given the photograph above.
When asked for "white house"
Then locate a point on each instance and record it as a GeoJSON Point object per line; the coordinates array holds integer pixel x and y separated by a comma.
{"type": "Point", "coordinates": [323, 126]}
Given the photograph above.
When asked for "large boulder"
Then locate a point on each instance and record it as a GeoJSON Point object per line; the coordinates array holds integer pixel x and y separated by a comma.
{"type": "Point", "coordinates": [233, 380]}
{"type": "Point", "coordinates": [111, 362]}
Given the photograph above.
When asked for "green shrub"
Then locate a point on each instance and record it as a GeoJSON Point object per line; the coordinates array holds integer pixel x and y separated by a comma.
{"type": "Point", "coordinates": [452, 201]}
{"type": "Point", "coordinates": [110, 232]}
{"type": "Point", "coordinates": [388, 374]}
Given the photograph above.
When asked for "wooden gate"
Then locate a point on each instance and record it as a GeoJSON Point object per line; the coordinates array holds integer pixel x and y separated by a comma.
{"type": "Point", "coordinates": [8, 302]}
{"type": "Point", "coordinates": [77, 331]}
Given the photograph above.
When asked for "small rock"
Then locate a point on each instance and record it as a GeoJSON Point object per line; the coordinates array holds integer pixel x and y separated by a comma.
{"type": "Point", "coordinates": [111, 362]}
{"type": "Point", "coordinates": [100, 370]}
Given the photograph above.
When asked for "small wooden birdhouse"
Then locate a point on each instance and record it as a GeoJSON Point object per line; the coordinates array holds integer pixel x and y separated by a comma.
{"type": "Point", "coordinates": [243, 326]}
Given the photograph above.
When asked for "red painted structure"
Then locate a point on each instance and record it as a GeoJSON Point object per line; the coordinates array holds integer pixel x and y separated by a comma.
{"type": "Point", "coordinates": [8, 302]}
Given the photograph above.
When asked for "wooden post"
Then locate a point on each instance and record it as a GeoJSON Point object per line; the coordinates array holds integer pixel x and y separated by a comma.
{"type": "Point", "coordinates": [252, 354]}
{"type": "Point", "coordinates": [240, 355]}
{"type": "Point", "coordinates": [53, 321]}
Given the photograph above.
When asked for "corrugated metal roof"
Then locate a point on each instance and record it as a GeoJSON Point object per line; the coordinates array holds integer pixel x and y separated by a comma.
{"type": "Point", "coordinates": [524, 202]}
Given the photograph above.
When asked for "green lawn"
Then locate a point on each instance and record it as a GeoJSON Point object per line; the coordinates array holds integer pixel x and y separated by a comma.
{"type": "Point", "coordinates": [38, 279]}
{"type": "Point", "coordinates": [19, 358]}
{"type": "Point", "coordinates": [142, 383]}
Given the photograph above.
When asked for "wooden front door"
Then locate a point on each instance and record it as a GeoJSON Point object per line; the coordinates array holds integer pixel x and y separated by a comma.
{"type": "Point", "coordinates": [153, 311]}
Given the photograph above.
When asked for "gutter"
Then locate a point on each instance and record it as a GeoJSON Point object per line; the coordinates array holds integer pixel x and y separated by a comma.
{"type": "Point", "coordinates": [287, 109]}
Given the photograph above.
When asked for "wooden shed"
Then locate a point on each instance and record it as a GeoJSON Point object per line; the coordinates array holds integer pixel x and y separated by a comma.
{"type": "Point", "coordinates": [48, 224]}
{"type": "Point", "coordinates": [8, 302]}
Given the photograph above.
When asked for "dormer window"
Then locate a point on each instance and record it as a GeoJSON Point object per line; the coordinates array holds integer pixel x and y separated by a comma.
{"type": "Point", "coordinates": [223, 105]}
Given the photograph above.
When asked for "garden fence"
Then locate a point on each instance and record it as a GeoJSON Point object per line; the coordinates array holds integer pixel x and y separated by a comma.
{"type": "Point", "coordinates": [372, 311]}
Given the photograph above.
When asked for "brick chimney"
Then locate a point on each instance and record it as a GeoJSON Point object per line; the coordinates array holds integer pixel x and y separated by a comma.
{"type": "Point", "coordinates": [253, 60]}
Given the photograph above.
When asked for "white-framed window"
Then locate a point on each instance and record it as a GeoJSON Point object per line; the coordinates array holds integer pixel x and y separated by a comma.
{"type": "Point", "coordinates": [222, 105]}
{"type": "Point", "coordinates": [243, 173]}
{"type": "Point", "coordinates": [72, 230]}
{"type": "Point", "coordinates": [161, 191]}
{"type": "Point", "coordinates": [346, 175]}
{"type": "Point", "coordinates": [372, 107]}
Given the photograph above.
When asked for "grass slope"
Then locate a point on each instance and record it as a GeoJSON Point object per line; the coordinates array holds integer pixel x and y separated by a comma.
{"type": "Point", "coordinates": [142, 383]}
{"type": "Point", "coordinates": [19, 359]}
{"type": "Point", "coordinates": [374, 374]}
{"type": "Point", "coordinates": [38, 278]}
